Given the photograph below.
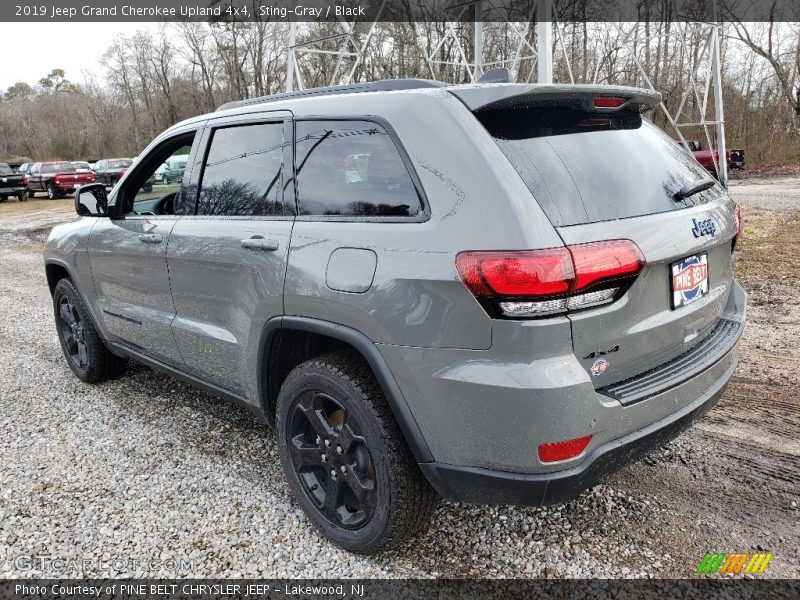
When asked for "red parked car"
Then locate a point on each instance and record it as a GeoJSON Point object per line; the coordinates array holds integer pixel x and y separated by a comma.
{"type": "Point", "coordinates": [707, 158]}
{"type": "Point", "coordinates": [55, 178]}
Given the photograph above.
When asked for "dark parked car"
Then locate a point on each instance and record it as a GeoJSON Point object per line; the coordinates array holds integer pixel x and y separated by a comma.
{"type": "Point", "coordinates": [491, 293]}
{"type": "Point", "coordinates": [55, 178]}
{"type": "Point", "coordinates": [110, 170]}
{"type": "Point", "coordinates": [12, 184]}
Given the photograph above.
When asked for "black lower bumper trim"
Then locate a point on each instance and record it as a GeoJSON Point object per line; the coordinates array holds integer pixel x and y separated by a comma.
{"type": "Point", "coordinates": [486, 486]}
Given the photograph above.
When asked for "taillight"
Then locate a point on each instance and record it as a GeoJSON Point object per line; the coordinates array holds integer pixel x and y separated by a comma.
{"type": "Point", "coordinates": [563, 450]}
{"type": "Point", "coordinates": [537, 283]}
{"type": "Point", "coordinates": [737, 218]}
{"type": "Point", "coordinates": [122, 173]}
{"type": "Point", "coordinates": [608, 102]}
{"type": "Point", "coordinates": [25, 179]}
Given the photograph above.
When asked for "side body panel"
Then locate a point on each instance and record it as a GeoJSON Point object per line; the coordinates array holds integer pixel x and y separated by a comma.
{"type": "Point", "coordinates": [227, 275]}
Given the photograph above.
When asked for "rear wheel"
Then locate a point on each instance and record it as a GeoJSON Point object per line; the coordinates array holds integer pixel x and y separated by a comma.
{"type": "Point", "coordinates": [85, 352]}
{"type": "Point", "coordinates": [345, 458]}
{"type": "Point", "coordinates": [22, 196]}
{"type": "Point", "coordinates": [31, 193]}
{"type": "Point", "coordinates": [52, 193]}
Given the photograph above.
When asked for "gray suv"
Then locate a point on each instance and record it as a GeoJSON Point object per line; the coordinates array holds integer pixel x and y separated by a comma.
{"type": "Point", "coordinates": [491, 293]}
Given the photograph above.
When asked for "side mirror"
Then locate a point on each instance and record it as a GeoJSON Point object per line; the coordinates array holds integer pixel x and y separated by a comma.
{"type": "Point", "coordinates": [91, 200]}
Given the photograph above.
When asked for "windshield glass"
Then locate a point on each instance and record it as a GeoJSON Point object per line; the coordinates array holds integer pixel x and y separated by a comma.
{"type": "Point", "coordinates": [5, 169]}
{"type": "Point", "coordinates": [584, 167]}
{"type": "Point", "coordinates": [119, 164]}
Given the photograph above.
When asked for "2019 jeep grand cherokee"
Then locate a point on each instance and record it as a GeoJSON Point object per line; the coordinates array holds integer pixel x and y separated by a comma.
{"type": "Point", "coordinates": [493, 293]}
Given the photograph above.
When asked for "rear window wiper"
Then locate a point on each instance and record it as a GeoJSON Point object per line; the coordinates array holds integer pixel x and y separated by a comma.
{"type": "Point", "coordinates": [690, 189]}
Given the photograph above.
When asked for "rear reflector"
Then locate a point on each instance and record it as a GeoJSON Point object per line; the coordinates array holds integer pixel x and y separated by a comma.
{"type": "Point", "coordinates": [608, 102]}
{"type": "Point", "coordinates": [535, 283]}
{"type": "Point", "coordinates": [563, 450]}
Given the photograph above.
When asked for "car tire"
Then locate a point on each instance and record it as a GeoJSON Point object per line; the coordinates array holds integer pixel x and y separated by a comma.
{"type": "Point", "coordinates": [164, 180]}
{"type": "Point", "coordinates": [52, 193]}
{"type": "Point", "coordinates": [31, 193]}
{"type": "Point", "coordinates": [337, 435]}
{"type": "Point", "coordinates": [3, 197]}
{"type": "Point", "coordinates": [22, 196]}
{"type": "Point", "coordinates": [85, 352]}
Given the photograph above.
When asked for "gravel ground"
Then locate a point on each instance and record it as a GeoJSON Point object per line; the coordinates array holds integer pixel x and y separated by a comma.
{"type": "Point", "coordinates": [146, 476]}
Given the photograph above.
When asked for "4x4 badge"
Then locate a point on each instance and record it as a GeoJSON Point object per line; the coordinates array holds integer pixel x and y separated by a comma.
{"type": "Point", "coordinates": [703, 227]}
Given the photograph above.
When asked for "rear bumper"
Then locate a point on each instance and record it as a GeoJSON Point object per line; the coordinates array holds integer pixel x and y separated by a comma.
{"type": "Point", "coordinates": [13, 190]}
{"type": "Point", "coordinates": [486, 486]}
{"type": "Point", "coordinates": [496, 430]}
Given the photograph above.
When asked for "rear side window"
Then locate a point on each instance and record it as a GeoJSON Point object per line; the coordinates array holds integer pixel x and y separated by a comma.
{"type": "Point", "coordinates": [242, 174]}
{"type": "Point", "coordinates": [584, 167]}
{"type": "Point", "coordinates": [62, 167]}
{"type": "Point", "coordinates": [351, 168]}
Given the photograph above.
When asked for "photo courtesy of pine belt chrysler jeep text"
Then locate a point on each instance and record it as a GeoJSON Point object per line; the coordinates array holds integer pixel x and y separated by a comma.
{"type": "Point", "coordinates": [492, 293]}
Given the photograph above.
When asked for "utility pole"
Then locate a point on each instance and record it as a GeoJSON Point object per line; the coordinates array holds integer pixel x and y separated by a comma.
{"type": "Point", "coordinates": [716, 80]}
{"type": "Point", "coordinates": [290, 57]}
{"type": "Point", "coordinates": [544, 41]}
{"type": "Point", "coordinates": [478, 39]}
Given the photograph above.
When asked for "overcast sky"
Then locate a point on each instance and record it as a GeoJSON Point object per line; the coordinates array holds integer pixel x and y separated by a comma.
{"type": "Point", "coordinates": [31, 50]}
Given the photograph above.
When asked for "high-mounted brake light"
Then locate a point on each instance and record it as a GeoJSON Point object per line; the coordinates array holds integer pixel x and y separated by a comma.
{"type": "Point", "coordinates": [563, 450]}
{"type": "Point", "coordinates": [536, 283]}
{"type": "Point", "coordinates": [608, 102]}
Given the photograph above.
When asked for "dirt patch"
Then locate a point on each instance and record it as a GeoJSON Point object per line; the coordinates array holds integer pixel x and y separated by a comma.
{"type": "Point", "coordinates": [731, 482]}
{"type": "Point", "coordinates": [35, 214]}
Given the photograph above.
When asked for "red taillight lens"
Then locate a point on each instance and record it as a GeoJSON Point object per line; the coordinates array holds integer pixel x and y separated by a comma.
{"type": "Point", "coordinates": [524, 273]}
{"type": "Point", "coordinates": [608, 102]}
{"type": "Point", "coordinates": [598, 261]}
{"type": "Point", "coordinates": [534, 283]}
{"type": "Point", "coordinates": [563, 450]}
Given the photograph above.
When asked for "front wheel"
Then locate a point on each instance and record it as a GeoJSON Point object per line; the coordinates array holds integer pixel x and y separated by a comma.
{"type": "Point", "coordinates": [52, 193]}
{"type": "Point", "coordinates": [22, 196]}
{"type": "Point", "coordinates": [345, 458]}
{"type": "Point", "coordinates": [31, 193]}
{"type": "Point", "coordinates": [85, 352]}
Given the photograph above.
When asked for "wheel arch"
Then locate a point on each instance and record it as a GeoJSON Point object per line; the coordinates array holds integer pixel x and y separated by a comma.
{"type": "Point", "coordinates": [321, 337]}
{"type": "Point", "coordinates": [56, 271]}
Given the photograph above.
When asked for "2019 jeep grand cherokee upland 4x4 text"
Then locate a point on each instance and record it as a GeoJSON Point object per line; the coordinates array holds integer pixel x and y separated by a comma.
{"type": "Point", "coordinates": [493, 293]}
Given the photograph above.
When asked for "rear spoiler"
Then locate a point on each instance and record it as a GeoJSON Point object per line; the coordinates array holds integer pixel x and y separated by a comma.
{"type": "Point", "coordinates": [600, 98]}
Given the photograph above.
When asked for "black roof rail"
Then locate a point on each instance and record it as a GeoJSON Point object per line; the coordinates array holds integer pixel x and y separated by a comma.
{"type": "Point", "coordinates": [384, 85]}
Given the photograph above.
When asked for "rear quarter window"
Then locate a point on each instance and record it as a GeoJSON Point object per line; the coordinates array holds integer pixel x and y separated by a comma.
{"type": "Point", "coordinates": [583, 167]}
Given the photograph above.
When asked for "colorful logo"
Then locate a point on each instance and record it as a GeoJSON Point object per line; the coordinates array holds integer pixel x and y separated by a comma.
{"type": "Point", "coordinates": [600, 365]}
{"type": "Point", "coordinates": [690, 278]}
{"type": "Point", "coordinates": [735, 562]}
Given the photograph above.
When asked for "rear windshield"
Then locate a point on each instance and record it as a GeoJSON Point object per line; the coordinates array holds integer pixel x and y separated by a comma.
{"type": "Point", "coordinates": [584, 167]}
{"type": "Point", "coordinates": [119, 164]}
{"type": "Point", "coordinates": [62, 167]}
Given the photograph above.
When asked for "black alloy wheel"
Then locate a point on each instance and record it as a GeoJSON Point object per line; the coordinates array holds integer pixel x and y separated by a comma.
{"type": "Point", "coordinates": [72, 328]}
{"type": "Point", "coordinates": [332, 460]}
{"type": "Point", "coordinates": [344, 456]}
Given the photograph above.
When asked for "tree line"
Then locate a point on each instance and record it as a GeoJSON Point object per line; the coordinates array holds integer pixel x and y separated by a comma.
{"type": "Point", "coordinates": [155, 78]}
